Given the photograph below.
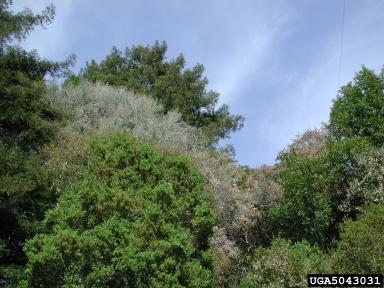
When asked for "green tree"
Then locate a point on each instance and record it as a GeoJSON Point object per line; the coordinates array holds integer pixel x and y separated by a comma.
{"type": "Point", "coordinates": [358, 110]}
{"type": "Point", "coordinates": [145, 70]}
{"type": "Point", "coordinates": [27, 121]}
{"type": "Point", "coordinates": [304, 212]}
{"type": "Point", "coordinates": [139, 218]}
{"type": "Point", "coordinates": [316, 190]}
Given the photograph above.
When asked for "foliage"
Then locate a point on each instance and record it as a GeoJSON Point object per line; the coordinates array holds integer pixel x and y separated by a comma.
{"type": "Point", "coordinates": [311, 143]}
{"type": "Point", "coordinates": [100, 108]}
{"type": "Point", "coordinates": [23, 199]}
{"type": "Point", "coordinates": [19, 25]}
{"type": "Point", "coordinates": [361, 245]}
{"type": "Point", "coordinates": [10, 275]}
{"type": "Point", "coordinates": [316, 189]}
{"type": "Point", "coordinates": [358, 109]}
{"type": "Point", "coordinates": [284, 265]}
{"type": "Point", "coordinates": [97, 107]}
{"type": "Point", "coordinates": [27, 121]}
{"type": "Point", "coordinates": [26, 118]}
{"type": "Point", "coordinates": [144, 70]}
{"type": "Point", "coordinates": [139, 218]}
{"type": "Point", "coordinates": [368, 185]}
{"type": "Point", "coordinates": [304, 212]}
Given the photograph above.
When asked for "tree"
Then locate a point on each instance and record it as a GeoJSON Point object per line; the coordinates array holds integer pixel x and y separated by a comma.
{"type": "Point", "coordinates": [139, 218]}
{"type": "Point", "coordinates": [27, 121]}
{"type": "Point", "coordinates": [18, 26]}
{"type": "Point", "coordinates": [27, 118]}
{"type": "Point", "coordinates": [145, 70]}
{"type": "Point", "coordinates": [316, 189]}
{"type": "Point", "coordinates": [358, 109]}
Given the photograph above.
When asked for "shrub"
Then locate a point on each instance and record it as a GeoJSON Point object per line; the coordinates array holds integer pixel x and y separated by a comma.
{"type": "Point", "coordinates": [97, 107]}
{"type": "Point", "coordinates": [304, 212]}
{"type": "Point", "coordinates": [361, 245]}
{"type": "Point", "coordinates": [284, 265]}
{"type": "Point", "coordinates": [65, 159]}
{"type": "Point", "coordinates": [139, 218]}
{"type": "Point", "coordinates": [311, 143]}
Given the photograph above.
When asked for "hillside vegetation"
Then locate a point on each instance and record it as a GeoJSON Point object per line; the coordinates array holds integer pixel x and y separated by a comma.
{"type": "Point", "coordinates": [115, 178]}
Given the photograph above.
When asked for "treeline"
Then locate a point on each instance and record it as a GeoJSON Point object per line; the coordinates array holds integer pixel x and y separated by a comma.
{"type": "Point", "coordinates": [114, 178]}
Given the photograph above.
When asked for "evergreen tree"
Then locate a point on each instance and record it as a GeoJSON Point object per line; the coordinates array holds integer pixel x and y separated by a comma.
{"type": "Point", "coordinates": [27, 121]}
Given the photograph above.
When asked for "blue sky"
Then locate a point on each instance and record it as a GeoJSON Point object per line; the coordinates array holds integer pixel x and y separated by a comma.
{"type": "Point", "coordinates": [276, 62]}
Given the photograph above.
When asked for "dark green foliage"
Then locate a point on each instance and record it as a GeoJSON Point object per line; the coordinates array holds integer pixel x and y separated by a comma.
{"type": "Point", "coordinates": [10, 275]}
{"type": "Point", "coordinates": [140, 218]}
{"type": "Point", "coordinates": [316, 189]}
{"type": "Point", "coordinates": [304, 212]}
{"type": "Point", "coordinates": [361, 245]}
{"type": "Point", "coordinates": [27, 119]}
{"type": "Point", "coordinates": [284, 265]}
{"type": "Point", "coordinates": [23, 199]}
{"type": "Point", "coordinates": [145, 70]}
{"type": "Point", "coordinates": [358, 110]}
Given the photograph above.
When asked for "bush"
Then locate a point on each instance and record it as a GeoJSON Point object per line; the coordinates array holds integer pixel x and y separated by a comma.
{"type": "Point", "coordinates": [97, 107]}
{"type": "Point", "coordinates": [139, 218]}
{"type": "Point", "coordinates": [304, 212]}
{"type": "Point", "coordinates": [65, 159]}
{"type": "Point", "coordinates": [284, 265]}
{"type": "Point", "coordinates": [361, 245]}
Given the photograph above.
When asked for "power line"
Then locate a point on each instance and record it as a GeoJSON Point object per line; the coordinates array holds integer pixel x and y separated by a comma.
{"type": "Point", "coordinates": [341, 43]}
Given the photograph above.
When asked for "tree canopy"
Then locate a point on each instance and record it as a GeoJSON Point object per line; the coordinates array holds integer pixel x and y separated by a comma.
{"type": "Point", "coordinates": [358, 109]}
{"type": "Point", "coordinates": [145, 70]}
